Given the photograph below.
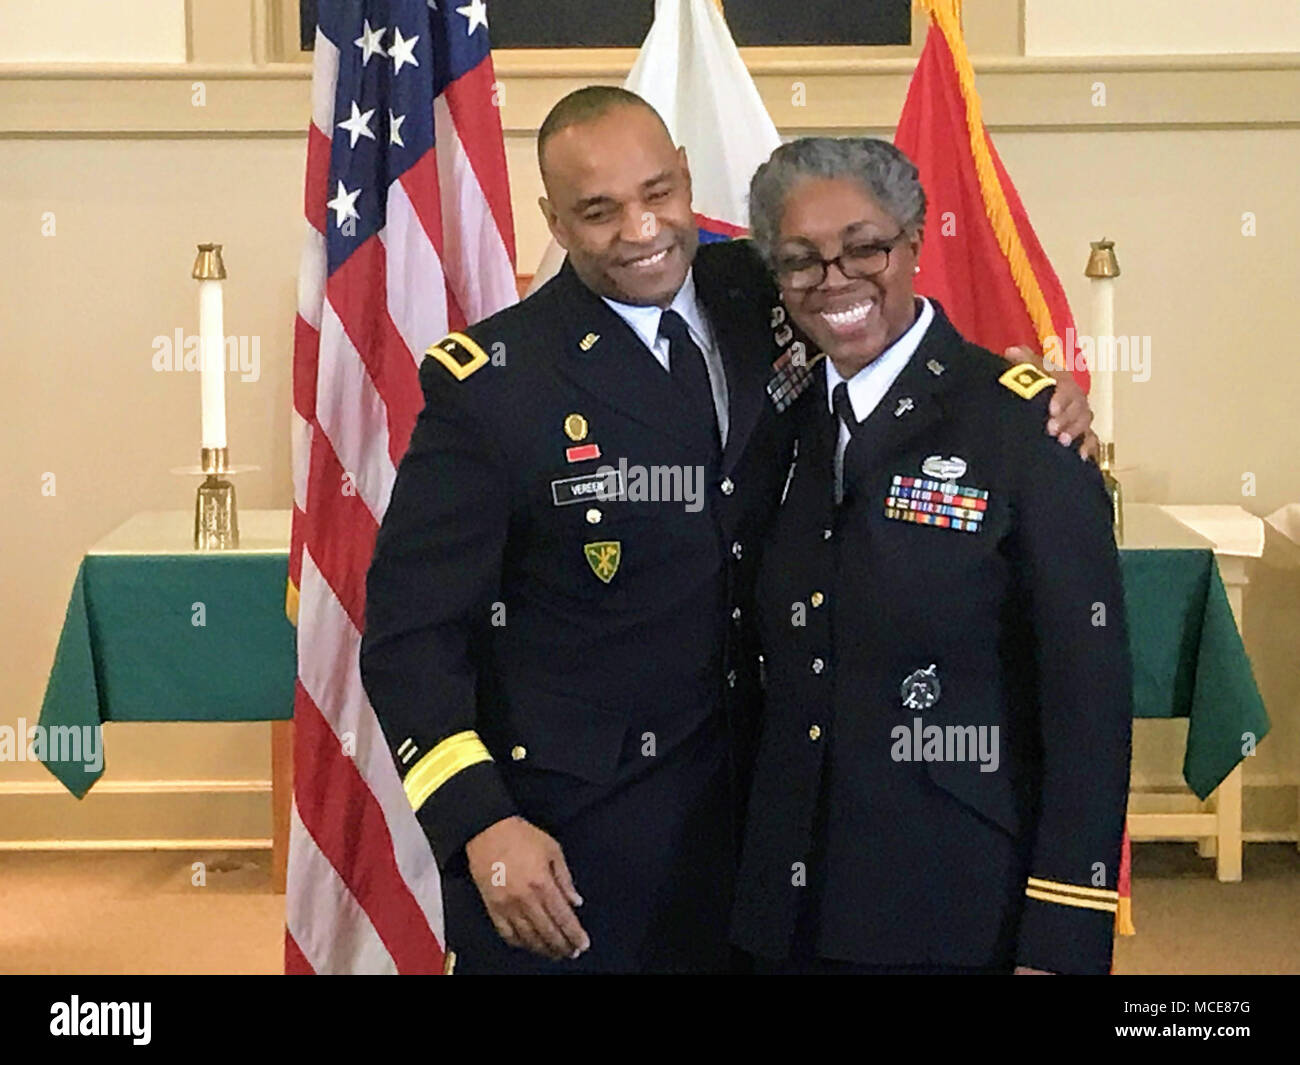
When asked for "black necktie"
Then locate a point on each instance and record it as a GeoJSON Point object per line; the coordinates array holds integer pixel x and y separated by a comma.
{"type": "Point", "coordinates": [844, 413]}
{"type": "Point", "coordinates": [687, 367]}
{"type": "Point", "coordinates": [844, 406]}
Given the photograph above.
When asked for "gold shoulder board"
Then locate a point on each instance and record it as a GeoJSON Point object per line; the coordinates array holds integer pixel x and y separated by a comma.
{"type": "Point", "coordinates": [459, 354]}
{"type": "Point", "coordinates": [1026, 380]}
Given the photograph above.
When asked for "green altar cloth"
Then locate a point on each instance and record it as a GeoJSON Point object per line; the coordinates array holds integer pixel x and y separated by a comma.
{"type": "Point", "coordinates": [156, 631]}
{"type": "Point", "coordinates": [130, 650]}
{"type": "Point", "coordinates": [1188, 658]}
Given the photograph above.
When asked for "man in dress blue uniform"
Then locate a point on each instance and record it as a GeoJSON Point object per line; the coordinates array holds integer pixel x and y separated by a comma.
{"type": "Point", "coordinates": [556, 633]}
{"type": "Point", "coordinates": [559, 643]}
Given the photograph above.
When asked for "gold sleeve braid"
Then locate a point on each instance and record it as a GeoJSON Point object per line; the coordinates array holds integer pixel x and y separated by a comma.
{"type": "Point", "coordinates": [1088, 898]}
{"type": "Point", "coordinates": [439, 765]}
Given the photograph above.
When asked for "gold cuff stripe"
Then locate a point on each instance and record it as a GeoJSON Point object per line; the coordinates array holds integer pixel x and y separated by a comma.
{"type": "Point", "coordinates": [441, 764]}
{"type": "Point", "coordinates": [1026, 380]}
{"type": "Point", "coordinates": [1073, 889]}
{"type": "Point", "coordinates": [1070, 900]}
{"type": "Point", "coordinates": [459, 370]}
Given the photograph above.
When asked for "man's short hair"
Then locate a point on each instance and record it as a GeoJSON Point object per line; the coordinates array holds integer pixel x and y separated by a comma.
{"type": "Point", "coordinates": [586, 105]}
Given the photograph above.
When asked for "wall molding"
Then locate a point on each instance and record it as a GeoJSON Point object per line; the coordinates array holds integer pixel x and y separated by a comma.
{"type": "Point", "coordinates": [203, 844]}
{"type": "Point", "coordinates": [841, 91]}
{"type": "Point", "coordinates": [178, 814]}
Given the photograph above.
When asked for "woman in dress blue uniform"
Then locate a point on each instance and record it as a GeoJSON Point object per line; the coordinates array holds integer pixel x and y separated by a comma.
{"type": "Point", "coordinates": [943, 771]}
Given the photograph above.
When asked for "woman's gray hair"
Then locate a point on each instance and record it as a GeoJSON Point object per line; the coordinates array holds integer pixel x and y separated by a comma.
{"type": "Point", "coordinates": [887, 175]}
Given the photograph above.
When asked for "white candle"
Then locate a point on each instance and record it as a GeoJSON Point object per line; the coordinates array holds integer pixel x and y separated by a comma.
{"type": "Point", "coordinates": [212, 364]}
{"type": "Point", "coordinates": [1101, 396]}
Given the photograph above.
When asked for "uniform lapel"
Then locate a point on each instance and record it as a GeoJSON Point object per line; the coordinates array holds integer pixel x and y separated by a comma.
{"type": "Point", "coordinates": [616, 368]}
{"type": "Point", "coordinates": [744, 340]}
{"type": "Point", "coordinates": [910, 407]}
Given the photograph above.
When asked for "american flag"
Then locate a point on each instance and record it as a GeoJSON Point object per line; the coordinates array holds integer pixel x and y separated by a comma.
{"type": "Point", "coordinates": [409, 236]}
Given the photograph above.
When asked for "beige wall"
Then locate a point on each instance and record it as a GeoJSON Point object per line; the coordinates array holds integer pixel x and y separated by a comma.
{"type": "Point", "coordinates": [80, 311]}
{"type": "Point", "coordinates": [135, 175]}
{"type": "Point", "coordinates": [89, 31]}
{"type": "Point", "coordinates": [1160, 27]}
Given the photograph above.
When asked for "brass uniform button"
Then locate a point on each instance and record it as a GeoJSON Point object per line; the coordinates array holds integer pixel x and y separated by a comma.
{"type": "Point", "coordinates": [815, 733]}
{"type": "Point", "coordinates": [594, 516]}
{"type": "Point", "coordinates": [518, 753]}
{"type": "Point", "coordinates": [817, 599]}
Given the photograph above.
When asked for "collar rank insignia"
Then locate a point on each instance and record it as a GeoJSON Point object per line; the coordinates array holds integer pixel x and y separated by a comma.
{"type": "Point", "coordinates": [942, 504]}
{"type": "Point", "coordinates": [904, 405]}
{"type": "Point", "coordinates": [791, 375]}
{"type": "Point", "coordinates": [935, 367]}
{"type": "Point", "coordinates": [1026, 380]}
{"type": "Point", "coordinates": [589, 341]}
{"type": "Point", "coordinates": [459, 354]}
{"type": "Point", "coordinates": [603, 557]}
{"type": "Point", "coordinates": [921, 688]}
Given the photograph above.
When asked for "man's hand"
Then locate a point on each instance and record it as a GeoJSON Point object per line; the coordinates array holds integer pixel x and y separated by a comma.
{"type": "Point", "coordinates": [1025, 970]}
{"type": "Point", "coordinates": [527, 889]}
{"type": "Point", "coordinates": [1068, 415]}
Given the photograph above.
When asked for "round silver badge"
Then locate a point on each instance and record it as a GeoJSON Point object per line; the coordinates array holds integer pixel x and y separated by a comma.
{"type": "Point", "coordinates": [921, 689]}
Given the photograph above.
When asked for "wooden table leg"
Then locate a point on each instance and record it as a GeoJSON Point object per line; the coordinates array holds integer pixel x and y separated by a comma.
{"type": "Point", "coordinates": [1227, 804]}
{"type": "Point", "coordinates": [1228, 814]}
{"type": "Point", "coordinates": [281, 801]}
{"type": "Point", "coordinates": [1208, 846]}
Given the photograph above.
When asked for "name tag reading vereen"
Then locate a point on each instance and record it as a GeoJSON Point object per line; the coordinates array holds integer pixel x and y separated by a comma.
{"type": "Point", "coordinates": [603, 484]}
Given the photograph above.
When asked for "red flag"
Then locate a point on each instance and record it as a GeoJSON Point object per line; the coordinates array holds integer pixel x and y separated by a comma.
{"type": "Point", "coordinates": [409, 237]}
{"type": "Point", "coordinates": [981, 259]}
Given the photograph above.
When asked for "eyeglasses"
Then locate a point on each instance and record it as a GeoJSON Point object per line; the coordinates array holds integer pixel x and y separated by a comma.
{"type": "Point", "coordinates": [857, 261]}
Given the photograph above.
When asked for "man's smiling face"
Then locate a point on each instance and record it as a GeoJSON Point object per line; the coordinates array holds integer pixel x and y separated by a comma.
{"type": "Point", "coordinates": [618, 200]}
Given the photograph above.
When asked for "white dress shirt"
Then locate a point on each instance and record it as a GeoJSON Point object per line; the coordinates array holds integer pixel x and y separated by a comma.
{"type": "Point", "coordinates": [868, 386]}
{"type": "Point", "coordinates": [644, 322]}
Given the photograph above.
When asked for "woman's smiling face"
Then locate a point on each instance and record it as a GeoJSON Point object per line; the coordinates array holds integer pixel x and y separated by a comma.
{"type": "Point", "coordinates": [851, 317]}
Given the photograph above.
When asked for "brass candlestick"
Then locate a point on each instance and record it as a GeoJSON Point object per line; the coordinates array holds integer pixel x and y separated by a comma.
{"type": "Point", "coordinates": [216, 519]}
{"type": "Point", "coordinates": [1113, 488]}
{"type": "Point", "coordinates": [1103, 264]}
